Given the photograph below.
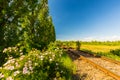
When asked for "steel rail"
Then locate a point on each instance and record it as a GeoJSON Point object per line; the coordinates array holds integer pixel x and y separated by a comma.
{"type": "Point", "coordinates": [117, 77]}
{"type": "Point", "coordinates": [110, 60]}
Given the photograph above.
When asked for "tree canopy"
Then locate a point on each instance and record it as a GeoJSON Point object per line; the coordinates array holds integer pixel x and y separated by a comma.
{"type": "Point", "coordinates": [27, 22]}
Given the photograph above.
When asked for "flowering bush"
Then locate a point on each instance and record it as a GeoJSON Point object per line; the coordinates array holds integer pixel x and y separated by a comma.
{"type": "Point", "coordinates": [13, 52]}
{"type": "Point", "coordinates": [10, 52]}
{"type": "Point", "coordinates": [35, 65]}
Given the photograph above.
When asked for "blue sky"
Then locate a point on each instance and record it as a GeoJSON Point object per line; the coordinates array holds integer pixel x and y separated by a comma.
{"type": "Point", "coordinates": [86, 19]}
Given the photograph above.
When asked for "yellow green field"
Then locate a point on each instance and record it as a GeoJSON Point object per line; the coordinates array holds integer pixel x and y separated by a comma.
{"type": "Point", "coordinates": [108, 49]}
{"type": "Point", "coordinates": [99, 48]}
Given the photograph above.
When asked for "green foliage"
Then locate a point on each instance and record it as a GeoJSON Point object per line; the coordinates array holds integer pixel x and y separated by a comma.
{"type": "Point", "coordinates": [108, 54]}
{"type": "Point", "coordinates": [3, 58]}
{"type": "Point", "coordinates": [78, 45]}
{"type": "Point", "coordinates": [115, 52]}
{"type": "Point", "coordinates": [48, 65]}
{"type": "Point", "coordinates": [12, 52]}
{"type": "Point", "coordinates": [88, 51]}
{"type": "Point", "coordinates": [26, 21]}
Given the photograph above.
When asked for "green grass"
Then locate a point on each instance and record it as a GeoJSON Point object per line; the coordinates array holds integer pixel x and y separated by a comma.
{"type": "Point", "coordinates": [68, 62]}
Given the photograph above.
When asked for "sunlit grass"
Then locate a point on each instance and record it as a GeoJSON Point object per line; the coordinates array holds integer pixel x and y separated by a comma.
{"type": "Point", "coordinates": [67, 62]}
{"type": "Point", "coordinates": [99, 48]}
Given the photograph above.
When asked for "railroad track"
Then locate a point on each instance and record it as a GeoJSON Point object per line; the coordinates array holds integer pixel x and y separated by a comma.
{"type": "Point", "coordinates": [108, 66]}
{"type": "Point", "coordinates": [110, 60]}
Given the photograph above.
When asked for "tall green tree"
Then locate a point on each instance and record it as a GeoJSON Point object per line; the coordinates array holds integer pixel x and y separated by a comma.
{"type": "Point", "coordinates": [26, 21]}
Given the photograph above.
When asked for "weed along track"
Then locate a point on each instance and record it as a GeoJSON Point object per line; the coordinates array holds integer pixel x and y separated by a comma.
{"type": "Point", "coordinates": [110, 60]}
{"type": "Point", "coordinates": [95, 68]}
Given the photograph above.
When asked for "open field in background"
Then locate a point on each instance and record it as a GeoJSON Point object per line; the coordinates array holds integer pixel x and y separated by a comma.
{"type": "Point", "coordinates": [102, 50]}
{"type": "Point", "coordinates": [99, 48]}
{"type": "Point", "coordinates": [108, 49]}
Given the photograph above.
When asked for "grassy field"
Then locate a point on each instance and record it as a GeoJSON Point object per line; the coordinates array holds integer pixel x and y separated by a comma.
{"type": "Point", "coordinates": [108, 49]}
{"type": "Point", "coordinates": [99, 48]}
{"type": "Point", "coordinates": [102, 50]}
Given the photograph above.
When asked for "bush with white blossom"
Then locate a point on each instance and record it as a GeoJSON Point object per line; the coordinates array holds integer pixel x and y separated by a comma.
{"type": "Point", "coordinates": [35, 65]}
{"type": "Point", "coordinates": [13, 52]}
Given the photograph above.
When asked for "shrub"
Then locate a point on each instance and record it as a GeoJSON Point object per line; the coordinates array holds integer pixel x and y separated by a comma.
{"type": "Point", "coordinates": [35, 65]}
{"type": "Point", "coordinates": [115, 52]}
{"type": "Point", "coordinates": [13, 52]}
{"type": "Point", "coordinates": [3, 58]}
{"type": "Point", "coordinates": [78, 45]}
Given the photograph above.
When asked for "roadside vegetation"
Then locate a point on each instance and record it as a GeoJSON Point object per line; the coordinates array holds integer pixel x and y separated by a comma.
{"type": "Point", "coordinates": [52, 64]}
{"type": "Point", "coordinates": [109, 49]}
{"type": "Point", "coordinates": [28, 50]}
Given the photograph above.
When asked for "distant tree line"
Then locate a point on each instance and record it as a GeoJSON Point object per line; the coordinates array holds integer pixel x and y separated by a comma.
{"type": "Point", "coordinates": [75, 44]}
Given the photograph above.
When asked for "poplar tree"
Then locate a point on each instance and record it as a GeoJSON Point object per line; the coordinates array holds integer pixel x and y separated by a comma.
{"type": "Point", "coordinates": [25, 21]}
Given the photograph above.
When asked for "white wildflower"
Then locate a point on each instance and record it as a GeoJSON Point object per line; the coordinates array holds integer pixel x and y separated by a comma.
{"type": "Point", "coordinates": [17, 65]}
{"type": "Point", "coordinates": [9, 67]}
{"type": "Point", "coordinates": [21, 53]}
{"type": "Point", "coordinates": [5, 64]}
{"type": "Point", "coordinates": [29, 61]}
{"type": "Point", "coordinates": [5, 50]}
{"type": "Point", "coordinates": [50, 59]}
{"type": "Point", "coordinates": [15, 50]}
{"type": "Point", "coordinates": [53, 55]}
{"type": "Point", "coordinates": [22, 57]}
{"type": "Point", "coordinates": [9, 61]}
{"type": "Point", "coordinates": [55, 78]}
{"type": "Point", "coordinates": [12, 67]}
{"type": "Point", "coordinates": [50, 53]}
{"type": "Point", "coordinates": [9, 78]}
{"type": "Point", "coordinates": [46, 53]}
{"type": "Point", "coordinates": [16, 73]}
{"type": "Point", "coordinates": [1, 75]}
{"type": "Point", "coordinates": [0, 67]}
{"type": "Point", "coordinates": [30, 68]}
{"type": "Point", "coordinates": [26, 64]}
{"type": "Point", "coordinates": [25, 70]}
{"type": "Point", "coordinates": [10, 57]}
{"type": "Point", "coordinates": [10, 50]}
{"type": "Point", "coordinates": [20, 50]}
{"type": "Point", "coordinates": [41, 57]}
{"type": "Point", "coordinates": [12, 61]}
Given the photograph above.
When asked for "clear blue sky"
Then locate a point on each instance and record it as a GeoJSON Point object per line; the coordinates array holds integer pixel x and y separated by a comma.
{"type": "Point", "coordinates": [86, 19]}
